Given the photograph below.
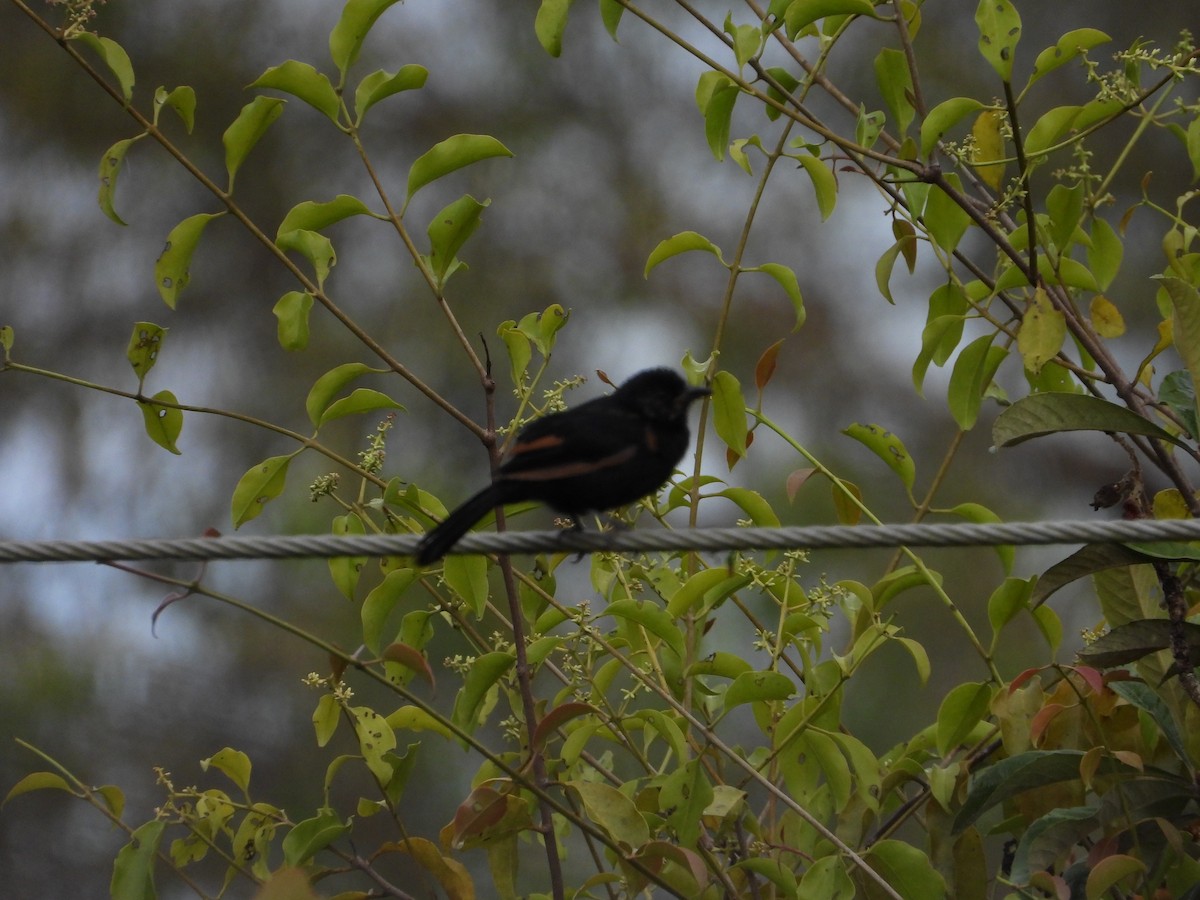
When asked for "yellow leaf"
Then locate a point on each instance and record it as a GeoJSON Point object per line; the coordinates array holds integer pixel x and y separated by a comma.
{"type": "Point", "coordinates": [1106, 318]}
{"type": "Point", "coordinates": [1043, 330]}
{"type": "Point", "coordinates": [989, 148]}
{"type": "Point", "coordinates": [1169, 504]}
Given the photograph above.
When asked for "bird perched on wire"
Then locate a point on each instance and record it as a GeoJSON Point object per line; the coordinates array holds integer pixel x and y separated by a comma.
{"type": "Point", "coordinates": [597, 456]}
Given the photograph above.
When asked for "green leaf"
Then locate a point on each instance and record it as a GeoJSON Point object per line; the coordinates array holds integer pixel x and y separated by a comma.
{"type": "Point", "coordinates": [449, 230]}
{"type": "Point", "coordinates": [1109, 872]}
{"type": "Point", "coordinates": [466, 576]}
{"type": "Point", "coordinates": [802, 13]}
{"type": "Point", "coordinates": [380, 85]}
{"type": "Point", "coordinates": [775, 871]}
{"type": "Point", "coordinates": [747, 40]}
{"type": "Point", "coordinates": [291, 312]}
{"type": "Point", "coordinates": [612, 812]}
{"type": "Point", "coordinates": [1105, 252]}
{"type": "Point", "coordinates": [361, 400]}
{"type": "Point", "coordinates": [376, 740]}
{"type": "Point", "coordinates": [1192, 142]}
{"type": "Point", "coordinates": [1040, 414]}
{"type": "Point", "coordinates": [1049, 127]}
{"type": "Point", "coordinates": [114, 56]}
{"type": "Point", "coordinates": [1086, 561]}
{"type": "Point", "coordinates": [313, 216]}
{"type": "Point", "coordinates": [181, 99]}
{"type": "Point", "coordinates": [234, 764]}
{"type": "Point", "coordinates": [680, 243]}
{"type": "Point", "coordinates": [651, 617]}
{"type": "Point", "coordinates": [887, 447]}
{"type": "Point", "coordinates": [37, 781]}
{"type": "Point", "coordinates": [311, 836]}
{"type": "Point", "coordinates": [973, 372]}
{"type": "Point", "coordinates": [314, 247]}
{"type": "Point", "coordinates": [894, 81]}
{"type": "Point", "coordinates": [704, 589]}
{"type": "Point", "coordinates": [963, 708]}
{"type": "Point", "coordinates": [753, 504]}
{"type": "Point", "coordinates": [867, 126]}
{"type": "Point", "coordinates": [1008, 600]}
{"type": "Point", "coordinates": [939, 339]}
{"type": "Point", "coordinates": [261, 484]}
{"type": "Point", "coordinates": [519, 348]}
{"type": "Point", "coordinates": [246, 131]}
{"type": "Point", "coordinates": [1185, 302]}
{"type": "Point", "coordinates": [823, 181]}
{"type": "Point", "coordinates": [610, 13]}
{"type": "Point", "coordinates": [450, 155]}
{"type": "Point", "coordinates": [172, 268]}
{"type": "Point", "coordinates": [907, 869]}
{"type": "Point", "coordinates": [946, 220]}
{"type": "Point", "coordinates": [686, 793]}
{"type": "Point", "coordinates": [1144, 697]}
{"type": "Point", "coordinates": [321, 395]}
{"type": "Point", "coordinates": [1024, 772]}
{"type": "Point", "coordinates": [786, 279]}
{"type": "Point", "coordinates": [1050, 626]}
{"type": "Point", "coordinates": [163, 423]}
{"type": "Point", "coordinates": [144, 346]}
{"type": "Point", "coordinates": [999, 30]}
{"type": "Point", "coordinates": [1177, 392]}
{"type": "Point", "coordinates": [751, 687]}
{"type": "Point", "coordinates": [346, 570]}
{"type": "Point", "coordinates": [133, 869]}
{"type": "Point", "coordinates": [883, 268]}
{"type": "Point", "coordinates": [303, 82]}
{"type": "Point", "coordinates": [1042, 333]}
{"type": "Point", "coordinates": [980, 514]}
{"type": "Point", "coordinates": [1130, 642]}
{"type": "Point", "coordinates": [550, 23]}
{"type": "Point", "coordinates": [729, 412]}
{"type": "Point", "coordinates": [1065, 208]}
{"type": "Point", "coordinates": [483, 674]}
{"type": "Point", "coordinates": [346, 38]}
{"type": "Point", "coordinates": [1067, 48]}
{"type": "Point", "coordinates": [718, 111]}
{"type": "Point", "coordinates": [787, 85]}
{"type": "Point", "coordinates": [942, 118]}
{"type": "Point", "coordinates": [110, 168]}
{"type": "Point", "coordinates": [325, 718]}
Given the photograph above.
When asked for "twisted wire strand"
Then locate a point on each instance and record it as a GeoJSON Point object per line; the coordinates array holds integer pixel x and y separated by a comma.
{"type": "Point", "coordinates": [709, 540]}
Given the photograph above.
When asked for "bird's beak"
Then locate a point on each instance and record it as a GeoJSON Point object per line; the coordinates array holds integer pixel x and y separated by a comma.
{"type": "Point", "coordinates": [695, 393]}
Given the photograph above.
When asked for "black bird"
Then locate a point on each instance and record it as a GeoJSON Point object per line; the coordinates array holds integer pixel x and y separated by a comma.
{"type": "Point", "coordinates": [597, 456]}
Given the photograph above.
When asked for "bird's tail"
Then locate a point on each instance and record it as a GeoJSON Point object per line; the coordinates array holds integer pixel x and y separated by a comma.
{"type": "Point", "coordinates": [438, 542]}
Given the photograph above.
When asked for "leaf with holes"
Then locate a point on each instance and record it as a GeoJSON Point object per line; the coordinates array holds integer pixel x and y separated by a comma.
{"type": "Point", "coordinates": [110, 168]}
{"type": "Point", "coordinates": [163, 423]}
{"type": "Point", "coordinates": [172, 269]}
{"type": "Point", "coordinates": [144, 346]}
{"type": "Point", "coordinates": [999, 31]}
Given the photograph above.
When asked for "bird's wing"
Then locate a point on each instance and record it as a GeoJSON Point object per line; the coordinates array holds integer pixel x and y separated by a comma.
{"type": "Point", "coordinates": [579, 441]}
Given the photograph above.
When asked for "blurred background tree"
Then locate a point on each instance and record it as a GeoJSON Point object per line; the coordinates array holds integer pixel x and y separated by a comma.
{"type": "Point", "coordinates": [609, 158]}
